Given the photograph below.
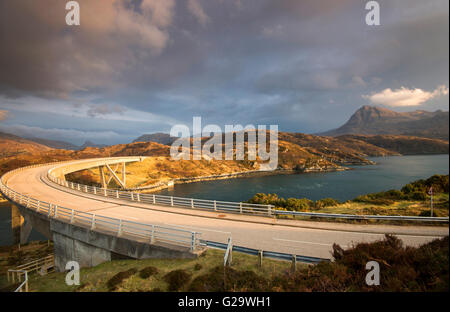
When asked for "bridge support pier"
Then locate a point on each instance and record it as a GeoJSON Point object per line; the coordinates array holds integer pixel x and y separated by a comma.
{"type": "Point", "coordinates": [69, 249]}
{"type": "Point", "coordinates": [90, 248]}
{"type": "Point", "coordinates": [21, 228]}
{"type": "Point", "coordinates": [112, 175]}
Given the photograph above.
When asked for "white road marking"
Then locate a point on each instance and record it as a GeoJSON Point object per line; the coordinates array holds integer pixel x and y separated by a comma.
{"type": "Point", "coordinates": [422, 236]}
{"type": "Point", "coordinates": [194, 227]}
{"type": "Point", "coordinates": [302, 242]}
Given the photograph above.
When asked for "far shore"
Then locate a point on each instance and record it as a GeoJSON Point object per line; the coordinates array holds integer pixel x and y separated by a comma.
{"type": "Point", "coordinates": [243, 174]}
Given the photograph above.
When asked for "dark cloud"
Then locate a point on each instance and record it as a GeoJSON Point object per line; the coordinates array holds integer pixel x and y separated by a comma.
{"type": "Point", "coordinates": [104, 109]}
{"type": "Point", "coordinates": [288, 62]}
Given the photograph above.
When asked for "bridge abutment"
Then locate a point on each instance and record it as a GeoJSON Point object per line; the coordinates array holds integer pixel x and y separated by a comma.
{"type": "Point", "coordinates": [88, 247]}
{"type": "Point", "coordinates": [68, 249]}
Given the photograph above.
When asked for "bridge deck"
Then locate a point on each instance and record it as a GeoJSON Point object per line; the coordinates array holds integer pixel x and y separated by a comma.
{"type": "Point", "coordinates": [289, 236]}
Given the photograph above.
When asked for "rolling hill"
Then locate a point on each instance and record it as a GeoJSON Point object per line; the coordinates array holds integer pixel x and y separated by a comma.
{"type": "Point", "coordinates": [297, 151]}
{"type": "Point", "coordinates": [161, 138]}
{"type": "Point", "coordinates": [54, 143]}
{"type": "Point", "coordinates": [11, 145]}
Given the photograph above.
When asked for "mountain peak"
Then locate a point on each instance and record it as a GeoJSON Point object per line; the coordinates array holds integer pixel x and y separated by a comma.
{"type": "Point", "coordinates": [370, 120]}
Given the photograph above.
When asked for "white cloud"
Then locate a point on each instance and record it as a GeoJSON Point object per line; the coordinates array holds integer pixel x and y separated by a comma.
{"type": "Point", "coordinates": [404, 96]}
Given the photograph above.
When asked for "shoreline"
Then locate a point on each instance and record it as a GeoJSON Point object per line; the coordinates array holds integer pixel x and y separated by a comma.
{"type": "Point", "coordinates": [243, 174]}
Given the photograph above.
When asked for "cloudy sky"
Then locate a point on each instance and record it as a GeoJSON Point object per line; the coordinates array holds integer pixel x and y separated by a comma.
{"type": "Point", "coordinates": [142, 66]}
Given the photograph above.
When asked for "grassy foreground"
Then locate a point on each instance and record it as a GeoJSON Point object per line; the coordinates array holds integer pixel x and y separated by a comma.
{"type": "Point", "coordinates": [154, 274]}
{"type": "Point", "coordinates": [401, 269]}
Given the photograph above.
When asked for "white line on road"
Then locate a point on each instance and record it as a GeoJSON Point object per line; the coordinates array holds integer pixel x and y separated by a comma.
{"type": "Point", "coordinates": [302, 242]}
{"type": "Point", "coordinates": [194, 227]}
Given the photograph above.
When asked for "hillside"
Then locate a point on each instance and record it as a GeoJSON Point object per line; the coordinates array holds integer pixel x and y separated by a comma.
{"type": "Point", "coordinates": [161, 138]}
{"type": "Point", "coordinates": [11, 145]}
{"type": "Point", "coordinates": [297, 151]}
{"type": "Point", "coordinates": [405, 145]}
{"type": "Point", "coordinates": [336, 149]}
{"type": "Point", "coordinates": [370, 120]}
{"type": "Point", "coordinates": [51, 155]}
{"type": "Point", "coordinates": [91, 144]}
{"type": "Point", "coordinates": [54, 143]}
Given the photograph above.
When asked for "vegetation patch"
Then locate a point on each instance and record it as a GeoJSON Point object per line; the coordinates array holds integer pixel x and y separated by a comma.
{"type": "Point", "coordinates": [117, 279]}
{"type": "Point", "coordinates": [177, 279]}
{"type": "Point", "coordinates": [413, 199]}
{"type": "Point", "coordinates": [148, 271]}
{"type": "Point", "coordinates": [222, 278]}
{"type": "Point", "coordinates": [401, 269]}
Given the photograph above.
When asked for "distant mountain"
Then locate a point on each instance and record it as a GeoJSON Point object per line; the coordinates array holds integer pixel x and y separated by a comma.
{"type": "Point", "coordinates": [12, 145]}
{"type": "Point", "coordinates": [370, 120]}
{"type": "Point", "coordinates": [91, 144]}
{"type": "Point", "coordinates": [54, 143]}
{"type": "Point", "coordinates": [161, 138]}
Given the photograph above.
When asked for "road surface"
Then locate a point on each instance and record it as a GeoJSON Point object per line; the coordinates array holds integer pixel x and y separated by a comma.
{"type": "Point", "coordinates": [307, 238]}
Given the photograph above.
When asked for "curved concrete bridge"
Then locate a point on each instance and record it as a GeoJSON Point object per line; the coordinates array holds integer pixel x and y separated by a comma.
{"type": "Point", "coordinates": [93, 225]}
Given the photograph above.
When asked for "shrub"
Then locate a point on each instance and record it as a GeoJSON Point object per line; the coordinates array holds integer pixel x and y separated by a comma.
{"type": "Point", "coordinates": [326, 202]}
{"type": "Point", "coordinates": [402, 268]}
{"type": "Point", "coordinates": [148, 271]}
{"type": "Point", "coordinates": [373, 199]}
{"type": "Point", "coordinates": [227, 279]}
{"type": "Point", "coordinates": [299, 204]}
{"type": "Point", "coordinates": [292, 204]}
{"type": "Point", "coordinates": [425, 213]}
{"type": "Point", "coordinates": [440, 184]}
{"type": "Point", "coordinates": [114, 281]}
{"type": "Point", "coordinates": [417, 196]}
{"type": "Point", "coordinates": [177, 279]}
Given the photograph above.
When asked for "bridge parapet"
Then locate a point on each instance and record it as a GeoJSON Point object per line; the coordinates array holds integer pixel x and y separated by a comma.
{"type": "Point", "coordinates": [104, 168]}
{"type": "Point", "coordinates": [229, 207]}
{"type": "Point", "coordinates": [185, 242]}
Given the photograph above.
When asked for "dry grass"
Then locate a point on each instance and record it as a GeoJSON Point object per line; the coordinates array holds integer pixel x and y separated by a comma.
{"type": "Point", "coordinates": [401, 208]}
{"type": "Point", "coordinates": [162, 169]}
{"type": "Point", "coordinates": [402, 269]}
{"type": "Point", "coordinates": [96, 278]}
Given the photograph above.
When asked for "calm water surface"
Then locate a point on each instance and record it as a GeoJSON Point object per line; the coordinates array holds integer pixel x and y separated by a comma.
{"type": "Point", "coordinates": [388, 173]}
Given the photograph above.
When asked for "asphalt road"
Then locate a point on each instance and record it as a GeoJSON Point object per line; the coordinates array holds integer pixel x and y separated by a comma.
{"type": "Point", "coordinates": [306, 238]}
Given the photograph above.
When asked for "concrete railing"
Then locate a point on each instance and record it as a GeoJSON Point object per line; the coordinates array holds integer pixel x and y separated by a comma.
{"type": "Point", "coordinates": [153, 199]}
{"type": "Point", "coordinates": [118, 227]}
{"type": "Point", "coordinates": [359, 217]}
